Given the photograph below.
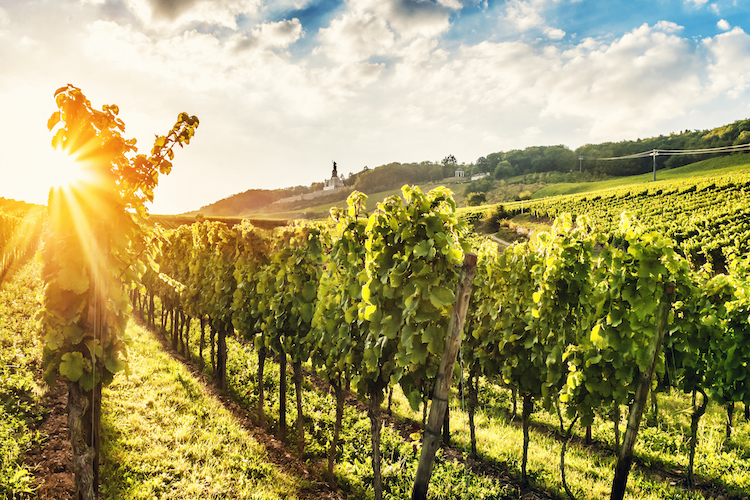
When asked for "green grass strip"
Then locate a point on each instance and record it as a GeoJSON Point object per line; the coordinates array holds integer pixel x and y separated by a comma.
{"type": "Point", "coordinates": [165, 436]}
{"type": "Point", "coordinates": [590, 470]}
{"type": "Point", "coordinates": [20, 387]}
{"type": "Point", "coordinates": [692, 172]}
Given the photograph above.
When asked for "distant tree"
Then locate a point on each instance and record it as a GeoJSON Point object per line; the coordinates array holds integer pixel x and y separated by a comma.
{"type": "Point", "coordinates": [484, 185]}
{"type": "Point", "coordinates": [483, 164]}
{"type": "Point", "coordinates": [450, 160]}
{"type": "Point", "coordinates": [523, 195]}
{"type": "Point", "coordinates": [449, 165]}
{"type": "Point", "coordinates": [476, 199]}
{"type": "Point", "coordinates": [503, 170]}
{"type": "Point", "coordinates": [395, 175]}
{"type": "Point", "coordinates": [493, 159]}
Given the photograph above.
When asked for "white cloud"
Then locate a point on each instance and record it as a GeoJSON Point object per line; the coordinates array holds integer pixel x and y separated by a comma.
{"type": "Point", "coordinates": [286, 5]}
{"type": "Point", "coordinates": [165, 14]}
{"type": "Point", "coordinates": [279, 35]}
{"type": "Point", "coordinates": [729, 70]}
{"type": "Point", "coordinates": [527, 15]}
{"type": "Point", "coordinates": [4, 18]}
{"type": "Point", "coordinates": [356, 37]}
{"type": "Point", "coordinates": [714, 8]}
{"type": "Point", "coordinates": [349, 80]}
{"type": "Point", "coordinates": [667, 27]}
{"type": "Point", "coordinates": [647, 74]}
{"type": "Point", "coordinates": [384, 29]}
{"type": "Point", "coordinates": [200, 64]}
{"type": "Point", "coordinates": [723, 25]}
{"type": "Point", "coordinates": [524, 14]}
{"type": "Point", "coordinates": [408, 18]}
{"type": "Point", "coordinates": [610, 89]}
{"type": "Point", "coordinates": [554, 33]}
{"type": "Point", "coordinates": [531, 134]}
{"type": "Point", "coordinates": [696, 3]}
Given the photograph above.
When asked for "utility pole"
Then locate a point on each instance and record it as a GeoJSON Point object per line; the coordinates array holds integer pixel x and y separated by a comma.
{"type": "Point", "coordinates": [654, 154]}
{"type": "Point", "coordinates": [580, 164]}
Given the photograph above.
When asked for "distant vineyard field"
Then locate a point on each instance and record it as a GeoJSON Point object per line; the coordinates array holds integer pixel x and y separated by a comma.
{"type": "Point", "coordinates": [706, 216]}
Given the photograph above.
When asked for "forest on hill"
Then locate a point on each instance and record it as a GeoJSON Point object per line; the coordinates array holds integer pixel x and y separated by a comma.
{"type": "Point", "coordinates": [504, 165]}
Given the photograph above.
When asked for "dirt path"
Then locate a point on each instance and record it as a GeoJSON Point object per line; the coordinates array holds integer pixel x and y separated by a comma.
{"type": "Point", "coordinates": [499, 241]}
{"type": "Point", "coordinates": [52, 460]}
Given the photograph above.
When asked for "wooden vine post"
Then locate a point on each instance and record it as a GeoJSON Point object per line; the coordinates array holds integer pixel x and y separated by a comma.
{"type": "Point", "coordinates": [439, 404]}
{"type": "Point", "coordinates": [622, 469]}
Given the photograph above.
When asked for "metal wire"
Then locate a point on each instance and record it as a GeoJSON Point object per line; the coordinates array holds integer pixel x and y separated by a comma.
{"type": "Point", "coordinates": [463, 409]}
{"type": "Point", "coordinates": [93, 350]}
{"type": "Point", "coordinates": [673, 152]}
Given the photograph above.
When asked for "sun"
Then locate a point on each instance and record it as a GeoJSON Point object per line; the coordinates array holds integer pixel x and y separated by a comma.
{"type": "Point", "coordinates": [68, 170]}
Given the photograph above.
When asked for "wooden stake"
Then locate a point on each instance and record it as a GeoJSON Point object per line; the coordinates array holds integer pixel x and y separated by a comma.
{"type": "Point", "coordinates": [636, 412]}
{"type": "Point", "coordinates": [444, 379]}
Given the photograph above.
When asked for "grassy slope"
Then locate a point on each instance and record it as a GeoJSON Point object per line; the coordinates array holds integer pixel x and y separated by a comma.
{"type": "Point", "coordinates": [166, 436]}
{"type": "Point", "coordinates": [713, 166]}
{"type": "Point", "coordinates": [321, 210]}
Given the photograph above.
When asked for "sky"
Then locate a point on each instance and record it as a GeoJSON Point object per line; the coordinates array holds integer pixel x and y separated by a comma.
{"type": "Point", "coordinates": [284, 88]}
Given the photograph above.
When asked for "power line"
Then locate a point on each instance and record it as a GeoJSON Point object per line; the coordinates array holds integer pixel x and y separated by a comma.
{"type": "Point", "coordinates": [670, 152]}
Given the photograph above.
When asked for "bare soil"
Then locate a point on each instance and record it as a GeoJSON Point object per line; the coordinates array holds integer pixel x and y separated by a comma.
{"type": "Point", "coordinates": [52, 459]}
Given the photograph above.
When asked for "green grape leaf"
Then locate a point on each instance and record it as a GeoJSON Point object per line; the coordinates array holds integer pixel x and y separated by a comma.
{"type": "Point", "coordinates": [441, 296]}
{"type": "Point", "coordinates": [115, 365]}
{"type": "Point", "coordinates": [72, 279]}
{"type": "Point", "coordinates": [72, 366]}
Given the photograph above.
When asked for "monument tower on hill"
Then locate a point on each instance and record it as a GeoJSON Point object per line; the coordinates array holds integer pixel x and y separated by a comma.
{"type": "Point", "coordinates": [334, 182]}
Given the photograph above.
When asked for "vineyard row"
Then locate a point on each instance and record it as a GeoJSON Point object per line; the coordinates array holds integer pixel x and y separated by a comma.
{"type": "Point", "coordinates": [574, 320]}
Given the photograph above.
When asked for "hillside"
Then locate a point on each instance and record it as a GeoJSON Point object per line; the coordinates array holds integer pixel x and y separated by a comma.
{"type": "Point", "coordinates": [516, 174]}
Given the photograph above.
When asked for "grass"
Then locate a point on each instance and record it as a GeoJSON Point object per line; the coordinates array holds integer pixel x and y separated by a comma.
{"type": "Point", "coordinates": [20, 387]}
{"type": "Point", "coordinates": [714, 166]}
{"type": "Point", "coordinates": [660, 449]}
{"type": "Point", "coordinates": [165, 436]}
{"type": "Point", "coordinates": [353, 470]}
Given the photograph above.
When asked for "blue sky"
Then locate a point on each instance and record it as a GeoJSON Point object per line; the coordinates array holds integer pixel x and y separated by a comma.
{"type": "Point", "coordinates": [282, 88]}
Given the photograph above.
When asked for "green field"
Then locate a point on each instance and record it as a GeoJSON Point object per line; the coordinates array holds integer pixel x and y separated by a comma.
{"type": "Point", "coordinates": [704, 168]}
